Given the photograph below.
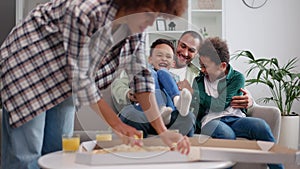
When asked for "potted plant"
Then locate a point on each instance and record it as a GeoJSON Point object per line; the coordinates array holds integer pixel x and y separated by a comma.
{"type": "Point", "coordinates": [283, 83]}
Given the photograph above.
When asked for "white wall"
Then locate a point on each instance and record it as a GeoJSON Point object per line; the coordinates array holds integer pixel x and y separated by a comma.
{"type": "Point", "coordinates": [270, 31]}
{"type": "Point", "coordinates": [23, 7]}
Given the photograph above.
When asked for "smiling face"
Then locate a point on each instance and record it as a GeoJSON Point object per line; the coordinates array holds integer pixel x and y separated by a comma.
{"type": "Point", "coordinates": [214, 58]}
{"type": "Point", "coordinates": [212, 70]}
{"type": "Point", "coordinates": [162, 57]}
{"type": "Point", "coordinates": [186, 51]}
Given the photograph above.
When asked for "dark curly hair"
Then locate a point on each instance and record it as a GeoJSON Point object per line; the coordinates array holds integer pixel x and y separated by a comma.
{"type": "Point", "coordinates": [216, 49]}
{"type": "Point", "coordinates": [171, 7]}
{"type": "Point", "coordinates": [159, 42]}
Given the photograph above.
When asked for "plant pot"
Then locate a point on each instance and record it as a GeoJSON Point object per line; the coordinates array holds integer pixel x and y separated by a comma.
{"type": "Point", "coordinates": [289, 131]}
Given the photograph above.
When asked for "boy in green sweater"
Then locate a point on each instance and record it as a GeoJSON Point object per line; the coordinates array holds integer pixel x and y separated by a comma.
{"type": "Point", "coordinates": [217, 83]}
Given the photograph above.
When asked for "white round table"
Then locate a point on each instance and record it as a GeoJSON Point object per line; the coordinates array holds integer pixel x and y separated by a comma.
{"type": "Point", "coordinates": [67, 161]}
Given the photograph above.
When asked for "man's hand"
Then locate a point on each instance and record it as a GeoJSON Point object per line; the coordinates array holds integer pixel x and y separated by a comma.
{"type": "Point", "coordinates": [244, 101]}
{"type": "Point", "coordinates": [185, 84]}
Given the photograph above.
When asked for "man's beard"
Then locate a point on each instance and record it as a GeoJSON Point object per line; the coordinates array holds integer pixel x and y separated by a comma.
{"type": "Point", "coordinates": [179, 64]}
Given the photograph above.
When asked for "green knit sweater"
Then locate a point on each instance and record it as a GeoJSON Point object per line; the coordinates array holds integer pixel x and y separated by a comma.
{"type": "Point", "coordinates": [227, 88]}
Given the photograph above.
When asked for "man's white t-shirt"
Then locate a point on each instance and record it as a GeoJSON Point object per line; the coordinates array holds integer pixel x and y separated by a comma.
{"type": "Point", "coordinates": [180, 72]}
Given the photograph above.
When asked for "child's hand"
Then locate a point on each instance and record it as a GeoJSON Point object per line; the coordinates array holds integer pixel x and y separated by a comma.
{"type": "Point", "coordinates": [176, 141]}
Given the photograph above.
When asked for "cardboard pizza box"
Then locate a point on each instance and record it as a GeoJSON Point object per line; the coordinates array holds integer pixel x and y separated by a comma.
{"type": "Point", "coordinates": [202, 149]}
{"type": "Point", "coordinates": [87, 156]}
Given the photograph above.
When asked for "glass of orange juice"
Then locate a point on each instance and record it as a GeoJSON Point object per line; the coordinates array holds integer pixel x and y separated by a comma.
{"type": "Point", "coordinates": [70, 143]}
{"type": "Point", "coordinates": [104, 135]}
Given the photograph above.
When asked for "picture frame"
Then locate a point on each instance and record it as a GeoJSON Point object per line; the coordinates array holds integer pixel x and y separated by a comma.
{"type": "Point", "coordinates": [161, 24]}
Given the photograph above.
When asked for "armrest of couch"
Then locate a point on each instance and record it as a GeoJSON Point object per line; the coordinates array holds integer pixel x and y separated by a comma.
{"type": "Point", "coordinates": [270, 114]}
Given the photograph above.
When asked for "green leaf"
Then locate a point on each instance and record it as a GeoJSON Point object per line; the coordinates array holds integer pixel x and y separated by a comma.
{"type": "Point", "coordinates": [283, 82]}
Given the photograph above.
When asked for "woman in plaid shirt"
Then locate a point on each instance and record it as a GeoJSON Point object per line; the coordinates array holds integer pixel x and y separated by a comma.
{"type": "Point", "coordinates": [49, 63]}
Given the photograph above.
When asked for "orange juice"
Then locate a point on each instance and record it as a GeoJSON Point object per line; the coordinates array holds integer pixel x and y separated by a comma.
{"type": "Point", "coordinates": [104, 137]}
{"type": "Point", "coordinates": [70, 144]}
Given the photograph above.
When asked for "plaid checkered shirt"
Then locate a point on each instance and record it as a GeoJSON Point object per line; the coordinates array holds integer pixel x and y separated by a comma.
{"type": "Point", "coordinates": [55, 52]}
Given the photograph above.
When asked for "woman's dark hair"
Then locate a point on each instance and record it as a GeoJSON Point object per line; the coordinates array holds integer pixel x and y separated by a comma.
{"type": "Point", "coordinates": [159, 42]}
{"type": "Point", "coordinates": [171, 7]}
{"type": "Point", "coordinates": [216, 49]}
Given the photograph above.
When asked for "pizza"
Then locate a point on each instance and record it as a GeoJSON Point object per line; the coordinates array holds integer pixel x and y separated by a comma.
{"type": "Point", "coordinates": [128, 148]}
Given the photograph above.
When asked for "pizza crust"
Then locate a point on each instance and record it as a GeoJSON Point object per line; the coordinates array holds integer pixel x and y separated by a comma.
{"type": "Point", "coordinates": [128, 148]}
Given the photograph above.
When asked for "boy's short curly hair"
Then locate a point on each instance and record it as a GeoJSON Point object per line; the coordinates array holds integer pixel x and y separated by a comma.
{"type": "Point", "coordinates": [171, 7]}
{"type": "Point", "coordinates": [216, 49]}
